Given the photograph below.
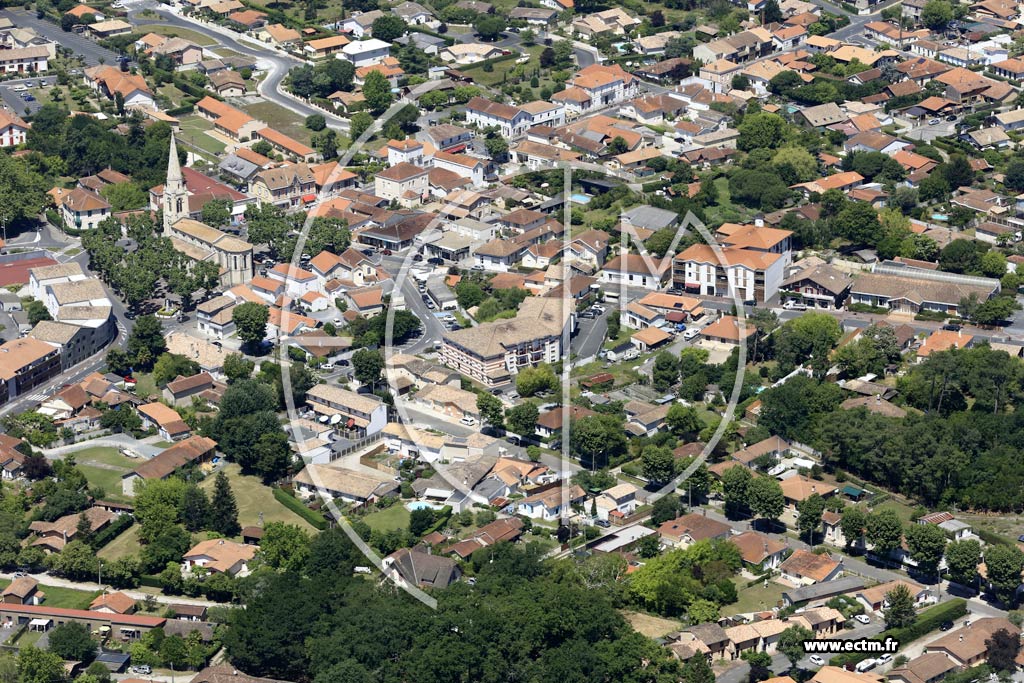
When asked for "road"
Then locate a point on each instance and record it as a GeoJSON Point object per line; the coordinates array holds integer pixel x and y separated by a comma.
{"type": "Point", "coordinates": [591, 333]}
{"type": "Point", "coordinates": [276, 64]}
{"type": "Point", "coordinates": [92, 52]}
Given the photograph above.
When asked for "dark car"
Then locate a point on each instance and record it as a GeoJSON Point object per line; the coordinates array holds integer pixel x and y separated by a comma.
{"type": "Point", "coordinates": [952, 327]}
{"type": "Point", "coordinates": [387, 252]}
{"type": "Point", "coordinates": [417, 257]}
{"type": "Point", "coordinates": [555, 445]}
{"type": "Point", "coordinates": [946, 625]}
{"type": "Point", "coordinates": [603, 523]}
{"type": "Point", "coordinates": [435, 261]}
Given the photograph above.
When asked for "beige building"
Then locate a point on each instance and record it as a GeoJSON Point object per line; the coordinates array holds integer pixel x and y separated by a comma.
{"type": "Point", "coordinates": [286, 186]}
{"type": "Point", "coordinates": [403, 183]}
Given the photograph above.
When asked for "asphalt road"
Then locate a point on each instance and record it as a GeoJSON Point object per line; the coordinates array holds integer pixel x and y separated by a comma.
{"type": "Point", "coordinates": [91, 51]}
{"type": "Point", "coordinates": [590, 334]}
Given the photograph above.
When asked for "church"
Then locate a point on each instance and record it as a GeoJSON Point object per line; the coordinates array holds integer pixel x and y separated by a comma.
{"type": "Point", "coordinates": [197, 240]}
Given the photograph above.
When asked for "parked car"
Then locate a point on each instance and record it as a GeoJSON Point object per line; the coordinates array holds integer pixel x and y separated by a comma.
{"type": "Point", "coordinates": [145, 669]}
{"type": "Point", "coordinates": [946, 625]}
{"type": "Point", "coordinates": [866, 665]}
{"type": "Point", "coordinates": [952, 327]}
{"type": "Point", "coordinates": [934, 122]}
{"type": "Point", "coordinates": [386, 252]}
{"type": "Point", "coordinates": [555, 445]}
{"type": "Point", "coordinates": [417, 257]}
{"type": "Point", "coordinates": [690, 334]}
{"type": "Point", "coordinates": [30, 97]}
{"type": "Point", "coordinates": [885, 659]}
{"type": "Point", "coordinates": [793, 305]}
{"type": "Point", "coordinates": [816, 660]}
{"type": "Point", "coordinates": [603, 523]}
{"type": "Point", "coordinates": [468, 421]}
{"type": "Point", "coordinates": [435, 261]}
{"type": "Point", "coordinates": [863, 618]}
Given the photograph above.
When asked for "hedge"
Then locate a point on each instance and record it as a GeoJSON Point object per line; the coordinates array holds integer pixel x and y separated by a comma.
{"type": "Point", "coordinates": [296, 506]}
{"type": "Point", "coordinates": [443, 515]}
{"type": "Point", "coordinates": [120, 525]}
{"type": "Point", "coordinates": [493, 60]}
{"type": "Point", "coordinates": [929, 620]}
{"type": "Point", "coordinates": [992, 538]}
{"type": "Point", "coordinates": [151, 580]}
{"type": "Point", "coordinates": [182, 110]}
{"type": "Point", "coordinates": [419, 29]}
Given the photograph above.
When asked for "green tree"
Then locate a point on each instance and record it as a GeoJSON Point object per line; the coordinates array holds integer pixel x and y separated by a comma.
{"type": "Point", "coordinates": [170, 366]}
{"type": "Point", "coordinates": [533, 380]}
{"type": "Point", "coordinates": [469, 294]}
{"type": "Point", "coordinates": [223, 508]}
{"type": "Point", "coordinates": [284, 546]}
{"type": "Point", "coordinates": [377, 92]}
{"type": "Point", "coordinates": [491, 409]}
{"type": "Point", "coordinates": [665, 372]}
{"type": "Point", "coordinates": [36, 312]}
{"type": "Point", "coordinates": [595, 439]}
{"type": "Point", "coordinates": [761, 131]}
{"type": "Point", "coordinates": [803, 163]}
{"type": "Point", "coordinates": [658, 464]}
{"type": "Point", "coordinates": [1004, 564]}
{"type": "Point", "coordinates": [1013, 179]}
{"type": "Point", "coordinates": [195, 508]}
{"type": "Point", "coordinates": [1002, 648]}
{"type": "Point", "coordinates": [360, 122]}
{"type": "Point", "coordinates": [497, 148]}
{"type": "Point", "coordinates": [884, 531]}
{"type": "Point", "coordinates": [791, 643]}
{"type": "Point", "coordinates": [900, 612]}
{"type": "Point", "coordinates": [250, 320]}
{"type": "Point", "coordinates": [39, 666]}
{"type": "Point", "coordinates": [237, 366]}
{"type": "Point", "coordinates": [174, 652]}
{"type": "Point", "coordinates": [853, 524]}
{"type": "Point", "coordinates": [962, 560]}
{"type": "Point", "coordinates": [388, 28]}
{"type": "Point", "coordinates": [927, 545]}
{"type": "Point", "coordinates": [124, 196]}
{"type": "Point", "coordinates": [683, 420]}
{"type": "Point", "coordinates": [812, 336]}
{"type": "Point", "coordinates": [666, 508]}
{"type": "Point", "coordinates": [766, 499]}
{"type": "Point", "coordinates": [810, 510]}
{"type": "Point", "coordinates": [145, 343]}
{"type": "Point", "coordinates": [73, 641]}
{"type": "Point", "coordinates": [490, 26]}
{"type": "Point", "coordinates": [936, 14]}
{"type": "Point", "coordinates": [697, 670]}
{"type": "Point", "coordinates": [522, 419]}
{"type": "Point", "coordinates": [772, 15]}
{"type": "Point", "coordinates": [700, 612]}
{"type": "Point", "coordinates": [735, 487]}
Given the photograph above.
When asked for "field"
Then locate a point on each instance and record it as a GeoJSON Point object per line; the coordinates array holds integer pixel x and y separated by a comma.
{"type": "Point", "coordinates": [106, 479]}
{"type": "Point", "coordinates": [125, 545]}
{"type": "Point", "coordinates": [754, 598]}
{"type": "Point", "coordinates": [280, 119]}
{"type": "Point", "coordinates": [145, 386]}
{"type": "Point", "coordinates": [649, 625]}
{"type": "Point", "coordinates": [106, 456]}
{"type": "Point", "coordinates": [193, 129]}
{"type": "Point", "coordinates": [905, 512]}
{"type": "Point", "coordinates": [103, 467]}
{"type": "Point", "coordinates": [166, 30]}
{"type": "Point", "coordinates": [394, 517]}
{"type": "Point", "coordinates": [254, 498]}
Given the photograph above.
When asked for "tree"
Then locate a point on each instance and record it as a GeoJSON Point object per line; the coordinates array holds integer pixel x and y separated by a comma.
{"type": "Point", "coordinates": [377, 92]}
{"type": "Point", "coordinates": [665, 372]}
{"type": "Point", "coordinates": [900, 611]}
{"type": "Point", "coordinates": [39, 666]}
{"type": "Point", "coordinates": [791, 643]}
{"type": "Point", "coordinates": [73, 641]}
{"type": "Point", "coordinates": [237, 366]}
{"type": "Point", "coordinates": [216, 213]}
{"type": "Point", "coordinates": [697, 670]}
{"type": "Point", "coordinates": [927, 545]}
{"type": "Point", "coordinates": [684, 421]}
{"type": "Point", "coordinates": [618, 145]}
{"type": "Point", "coordinates": [811, 510]}
{"type": "Point", "coordinates": [77, 561]}
{"type": "Point", "coordinates": [490, 26]}
{"type": "Point", "coordinates": [36, 312]}
{"type": "Point", "coordinates": [666, 508]}
{"type": "Point", "coordinates": [766, 499]}
{"type": "Point", "coordinates": [699, 611]}
{"type": "Point", "coordinates": [936, 14]}
{"type": "Point", "coordinates": [962, 560]}
{"type": "Point", "coordinates": [1004, 564]}
{"type": "Point", "coordinates": [170, 366]}
{"type": "Point", "coordinates": [534, 380]}
{"type": "Point", "coordinates": [195, 508]}
{"type": "Point", "coordinates": [284, 546]}
{"type": "Point", "coordinates": [469, 294]}
{"type": "Point", "coordinates": [124, 196]}
{"type": "Point", "coordinates": [223, 509]}
{"type": "Point", "coordinates": [853, 524]}
{"type": "Point", "coordinates": [658, 464]}
{"type": "Point", "coordinates": [772, 13]}
{"type": "Point", "coordinates": [761, 131]}
{"type": "Point", "coordinates": [957, 170]}
{"type": "Point", "coordinates": [250, 320]}
{"type": "Point", "coordinates": [174, 651]}
{"type": "Point", "coordinates": [367, 366]}
{"type": "Point", "coordinates": [803, 163]}
{"type": "Point", "coordinates": [735, 485]}
{"type": "Point", "coordinates": [522, 419]}
{"type": "Point", "coordinates": [360, 122]}
{"type": "Point", "coordinates": [497, 147]}
{"type": "Point", "coordinates": [812, 335]}
{"type": "Point", "coordinates": [146, 342]}
{"type": "Point", "coordinates": [884, 531]}
{"type": "Point", "coordinates": [491, 409]}
{"type": "Point", "coordinates": [1002, 648]}
{"type": "Point", "coordinates": [388, 28]}
{"type": "Point", "coordinates": [1014, 177]}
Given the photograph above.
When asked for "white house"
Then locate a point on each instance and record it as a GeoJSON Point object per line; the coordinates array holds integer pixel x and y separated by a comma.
{"type": "Point", "coordinates": [550, 504]}
{"type": "Point", "coordinates": [461, 165]}
{"type": "Point", "coordinates": [512, 122]}
{"type": "Point", "coordinates": [619, 500]}
{"type": "Point", "coordinates": [366, 52]}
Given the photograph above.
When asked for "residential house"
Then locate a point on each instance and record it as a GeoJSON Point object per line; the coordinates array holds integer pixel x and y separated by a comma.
{"type": "Point", "coordinates": [114, 603]}
{"type": "Point", "coordinates": [874, 599]}
{"type": "Point", "coordinates": [181, 390]}
{"type": "Point", "coordinates": [221, 556]}
{"type": "Point", "coordinates": [418, 567]}
{"type": "Point", "coordinates": [550, 504]}
{"type": "Point", "coordinates": [359, 414]}
{"type": "Point", "coordinates": [745, 273]}
{"type": "Point", "coordinates": [165, 420]}
{"type": "Point", "coordinates": [804, 568]}
{"type": "Point", "coordinates": [191, 452]}
{"type": "Point", "coordinates": [23, 590]}
{"type": "Point", "coordinates": [617, 502]}
{"type": "Point", "coordinates": [288, 186]}
{"type": "Point", "coordinates": [403, 183]}
{"type": "Point", "coordinates": [359, 487]}
{"type": "Point", "coordinates": [53, 536]}
{"type": "Point", "coordinates": [684, 531]}
{"type": "Point", "coordinates": [968, 646]}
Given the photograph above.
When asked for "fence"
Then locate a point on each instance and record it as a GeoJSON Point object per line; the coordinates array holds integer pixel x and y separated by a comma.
{"type": "Point", "coordinates": [357, 445]}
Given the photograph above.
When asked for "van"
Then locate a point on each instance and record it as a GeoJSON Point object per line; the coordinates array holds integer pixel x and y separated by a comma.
{"type": "Point", "coordinates": [690, 334]}
{"type": "Point", "coordinates": [362, 570]}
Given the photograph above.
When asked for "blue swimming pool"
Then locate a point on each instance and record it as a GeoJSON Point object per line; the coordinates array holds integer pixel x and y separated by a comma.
{"type": "Point", "coordinates": [579, 198]}
{"type": "Point", "coordinates": [421, 505]}
{"type": "Point", "coordinates": [940, 217]}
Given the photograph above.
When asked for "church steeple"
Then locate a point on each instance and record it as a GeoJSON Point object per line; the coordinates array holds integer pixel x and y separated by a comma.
{"type": "Point", "coordinates": [175, 203]}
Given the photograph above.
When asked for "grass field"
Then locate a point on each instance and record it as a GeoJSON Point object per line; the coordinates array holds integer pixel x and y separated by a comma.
{"type": "Point", "coordinates": [108, 480]}
{"type": "Point", "coordinates": [62, 597]}
{"type": "Point", "coordinates": [394, 517]}
{"type": "Point", "coordinates": [194, 129]}
{"type": "Point", "coordinates": [280, 119]}
{"type": "Point", "coordinates": [649, 625]}
{"type": "Point", "coordinates": [171, 31]}
{"type": "Point", "coordinates": [754, 598]}
{"type": "Point", "coordinates": [905, 512]}
{"type": "Point", "coordinates": [145, 386]}
{"type": "Point", "coordinates": [107, 456]}
{"type": "Point", "coordinates": [253, 498]}
{"type": "Point", "coordinates": [125, 545]}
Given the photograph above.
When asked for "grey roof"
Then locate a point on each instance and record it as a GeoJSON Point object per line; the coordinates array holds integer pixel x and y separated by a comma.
{"type": "Point", "coordinates": [421, 568]}
{"type": "Point", "coordinates": [823, 590]}
{"type": "Point", "coordinates": [650, 217]}
{"type": "Point", "coordinates": [489, 488]}
{"type": "Point", "coordinates": [421, 40]}
{"type": "Point", "coordinates": [238, 167]}
{"type": "Point", "coordinates": [439, 291]}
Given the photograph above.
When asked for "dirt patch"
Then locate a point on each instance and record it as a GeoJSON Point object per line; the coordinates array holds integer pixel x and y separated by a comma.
{"type": "Point", "coordinates": [651, 626]}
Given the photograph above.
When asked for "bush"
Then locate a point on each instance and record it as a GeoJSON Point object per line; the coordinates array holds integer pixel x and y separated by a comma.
{"type": "Point", "coordinates": [296, 506]}
{"type": "Point", "coordinates": [119, 526]}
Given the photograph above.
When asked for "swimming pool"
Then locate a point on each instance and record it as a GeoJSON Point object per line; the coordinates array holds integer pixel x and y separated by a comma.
{"type": "Point", "coordinates": [421, 505]}
{"type": "Point", "coordinates": [579, 198]}
{"type": "Point", "coordinates": [940, 217]}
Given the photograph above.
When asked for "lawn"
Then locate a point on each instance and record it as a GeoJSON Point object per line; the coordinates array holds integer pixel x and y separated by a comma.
{"type": "Point", "coordinates": [62, 597]}
{"type": "Point", "coordinates": [724, 211]}
{"type": "Point", "coordinates": [166, 30]}
{"type": "Point", "coordinates": [394, 517]}
{"type": "Point", "coordinates": [125, 545]}
{"type": "Point", "coordinates": [280, 119]}
{"type": "Point", "coordinates": [754, 598]}
{"type": "Point", "coordinates": [106, 456]}
{"type": "Point", "coordinates": [194, 129]}
{"type": "Point", "coordinates": [624, 373]}
{"type": "Point", "coordinates": [144, 385]}
{"type": "Point", "coordinates": [905, 512]}
{"type": "Point", "coordinates": [108, 480]}
{"type": "Point", "coordinates": [253, 498]}
{"type": "Point", "coordinates": [649, 625]}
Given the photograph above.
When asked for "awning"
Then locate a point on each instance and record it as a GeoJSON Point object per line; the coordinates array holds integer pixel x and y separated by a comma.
{"type": "Point", "coordinates": [456, 149]}
{"type": "Point", "coordinates": [309, 198]}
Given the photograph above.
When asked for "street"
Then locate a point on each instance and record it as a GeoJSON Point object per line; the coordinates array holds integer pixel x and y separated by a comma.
{"type": "Point", "coordinates": [92, 52]}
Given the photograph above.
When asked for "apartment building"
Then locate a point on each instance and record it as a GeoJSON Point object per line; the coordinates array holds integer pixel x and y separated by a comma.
{"type": "Point", "coordinates": [750, 275]}
{"type": "Point", "coordinates": [355, 415]}
{"type": "Point", "coordinates": [24, 364]}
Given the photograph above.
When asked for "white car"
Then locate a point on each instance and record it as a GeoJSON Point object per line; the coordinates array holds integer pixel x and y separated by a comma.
{"type": "Point", "coordinates": [866, 665]}
{"type": "Point", "coordinates": [468, 421]}
{"type": "Point", "coordinates": [885, 659]}
{"type": "Point", "coordinates": [523, 60]}
{"type": "Point", "coordinates": [690, 334]}
{"type": "Point", "coordinates": [863, 618]}
{"type": "Point", "coordinates": [816, 660]}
